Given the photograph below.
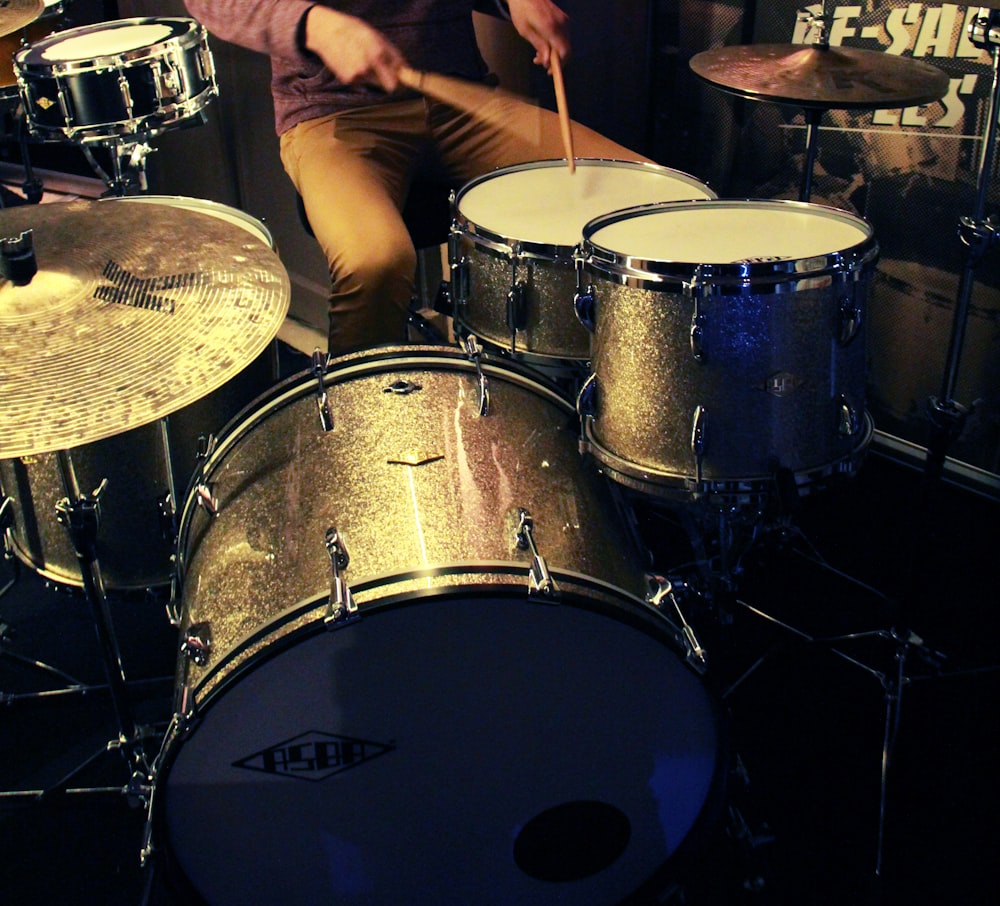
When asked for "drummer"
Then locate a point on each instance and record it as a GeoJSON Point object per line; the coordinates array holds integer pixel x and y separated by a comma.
{"type": "Point", "coordinates": [352, 140]}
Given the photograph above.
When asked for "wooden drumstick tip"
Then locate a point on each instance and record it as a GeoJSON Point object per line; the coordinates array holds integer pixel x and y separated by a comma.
{"type": "Point", "coordinates": [565, 127]}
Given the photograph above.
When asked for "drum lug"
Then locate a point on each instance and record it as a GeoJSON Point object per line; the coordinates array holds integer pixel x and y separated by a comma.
{"type": "Point", "coordinates": [585, 303]}
{"type": "Point", "coordinates": [197, 644]}
{"type": "Point", "coordinates": [475, 353]}
{"type": "Point", "coordinates": [320, 363]}
{"type": "Point", "coordinates": [659, 589]}
{"type": "Point", "coordinates": [206, 64]}
{"type": "Point", "coordinates": [459, 269]}
{"type": "Point", "coordinates": [540, 582]}
{"type": "Point", "coordinates": [695, 290]}
{"type": "Point", "coordinates": [848, 423]}
{"type": "Point", "coordinates": [698, 439]}
{"type": "Point", "coordinates": [850, 319]}
{"type": "Point", "coordinates": [517, 308]}
{"type": "Point", "coordinates": [342, 607]}
{"type": "Point", "coordinates": [126, 93]}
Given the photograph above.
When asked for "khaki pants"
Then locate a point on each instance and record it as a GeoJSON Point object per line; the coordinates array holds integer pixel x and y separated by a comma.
{"type": "Point", "coordinates": [353, 171]}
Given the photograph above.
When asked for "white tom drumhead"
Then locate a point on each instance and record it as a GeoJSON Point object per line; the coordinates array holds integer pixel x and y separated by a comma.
{"type": "Point", "coordinates": [544, 203]}
{"type": "Point", "coordinates": [90, 42]}
{"type": "Point", "coordinates": [726, 232]}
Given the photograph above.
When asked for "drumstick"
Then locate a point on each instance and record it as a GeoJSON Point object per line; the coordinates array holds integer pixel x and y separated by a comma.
{"type": "Point", "coordinates": [459, 93]}
{"type": "Point", "coordinates": [564, 123]}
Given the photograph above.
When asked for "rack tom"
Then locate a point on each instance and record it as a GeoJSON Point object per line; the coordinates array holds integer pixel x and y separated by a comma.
{"type": "Point", "coordinates": [728, 344]}
{"type": "Point", "coordinates": [512, 243]}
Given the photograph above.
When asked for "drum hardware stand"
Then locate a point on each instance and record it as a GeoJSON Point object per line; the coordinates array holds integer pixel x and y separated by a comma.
{"type": "Point", "coordinates": [80, 514]}
{"type": "Point", "coordinates": [906, 646]}
{"type": "Point", "coordinates": [978, 233]}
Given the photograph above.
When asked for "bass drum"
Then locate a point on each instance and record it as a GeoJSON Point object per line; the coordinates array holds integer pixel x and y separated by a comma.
{"type": "Point", "coordinates": [148, 468]}
{"type": "Point", "coordinates": [380, 698]}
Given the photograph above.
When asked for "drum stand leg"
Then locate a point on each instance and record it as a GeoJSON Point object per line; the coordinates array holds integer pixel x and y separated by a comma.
{"type": "Point", "coordinates": [904, 647]}
{"type": "Point", "coordinates": [79, 513]}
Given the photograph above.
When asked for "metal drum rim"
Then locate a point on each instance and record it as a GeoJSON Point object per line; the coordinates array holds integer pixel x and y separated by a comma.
{"type": "Point", "coordinates": [23, 59]}
{"type": "Point", "coordinates": [640, 272]}
{"type": "Point", "coordinates": [504, 246]}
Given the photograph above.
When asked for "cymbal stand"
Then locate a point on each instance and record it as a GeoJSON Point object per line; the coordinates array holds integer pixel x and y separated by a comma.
{"type": "Point", "coordinates": [813, 115]}
{"type": "Point", "coordinates": [977, 233]}
{"type": "Point", "coordinates": [72, 684]}
{"type": "Point", "coordinates": [80, 514]}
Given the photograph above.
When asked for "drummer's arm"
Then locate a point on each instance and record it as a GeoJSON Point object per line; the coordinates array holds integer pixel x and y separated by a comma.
{"type": "Point", "coordinates": [350, 48]}
{"type": "Point", "coordinates": [261, 25]}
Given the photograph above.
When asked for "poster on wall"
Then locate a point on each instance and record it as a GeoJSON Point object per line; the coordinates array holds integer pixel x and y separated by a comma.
{"type": "Point", "coordinates": [913, 174]}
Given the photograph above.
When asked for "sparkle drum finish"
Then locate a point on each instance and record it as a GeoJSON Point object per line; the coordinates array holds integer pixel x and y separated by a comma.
{"type": "Point", "coordinates": [729, 344]}
{"type": "Point", "coordinates": [513, 237]}
{"type": "Point", "coordinates": [126, 77]}
{"type": "Point", "coordinates": [382, 699]}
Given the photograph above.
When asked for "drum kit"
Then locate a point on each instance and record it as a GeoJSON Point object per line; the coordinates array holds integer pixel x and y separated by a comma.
{"type": "Point", "coordinates": [406, 580]}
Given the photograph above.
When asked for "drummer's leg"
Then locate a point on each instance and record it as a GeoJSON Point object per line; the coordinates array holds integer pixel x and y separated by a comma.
{"type": "Point", "coordinates": [509, 131]}
{"type": "Point", "coordinates": [350, 170]}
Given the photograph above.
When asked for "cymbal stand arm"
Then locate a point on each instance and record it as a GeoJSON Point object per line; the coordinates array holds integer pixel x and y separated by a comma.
{"type": "Point", "coordinates": [977, 233]}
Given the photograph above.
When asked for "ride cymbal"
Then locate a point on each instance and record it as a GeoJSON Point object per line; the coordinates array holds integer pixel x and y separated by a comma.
{"type": "Point", "coordinates": [135, 312]}
{"type": "Point", "coordinates": [16, 14]}
{"type": "Point", "coordinates": [819, 76]}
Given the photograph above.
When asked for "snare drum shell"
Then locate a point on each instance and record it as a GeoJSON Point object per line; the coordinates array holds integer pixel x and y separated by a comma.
{"type": "Point", "coordinates": [122, 93]}
{"type": "Point", "coordinates": [515, 231]}
{"type": "Point", "coordinates": [761, 362]}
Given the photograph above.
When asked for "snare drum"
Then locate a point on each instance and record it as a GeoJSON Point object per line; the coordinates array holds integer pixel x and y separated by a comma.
{"type": "Point", "coordinates": [148, 470]}
{"type": "Point", "coordinates": [512, 243]}
{"type": "Point", "coordinates": [127, 77]}
{"type": "Point", "coordinates": [729, 344]}
{"type": "Point", "coordinates": [380, 695]}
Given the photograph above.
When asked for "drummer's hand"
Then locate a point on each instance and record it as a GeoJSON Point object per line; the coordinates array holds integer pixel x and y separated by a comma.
{"type": "Point", "coordinates": [351, 49]}
{"type": "Point", "coordinates": [544, 26]}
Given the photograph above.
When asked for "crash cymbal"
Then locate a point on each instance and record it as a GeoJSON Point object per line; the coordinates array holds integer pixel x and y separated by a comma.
{"type": "Point", "coordinates": [15, 14]}
{"type": "Point", "coordinates": [836, 78]}
{"type": "Point", "coordinates": [136, 310]}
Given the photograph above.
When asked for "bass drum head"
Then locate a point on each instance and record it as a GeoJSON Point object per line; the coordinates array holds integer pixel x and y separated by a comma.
{"type": "Point", "coordinates": [475, 747]}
